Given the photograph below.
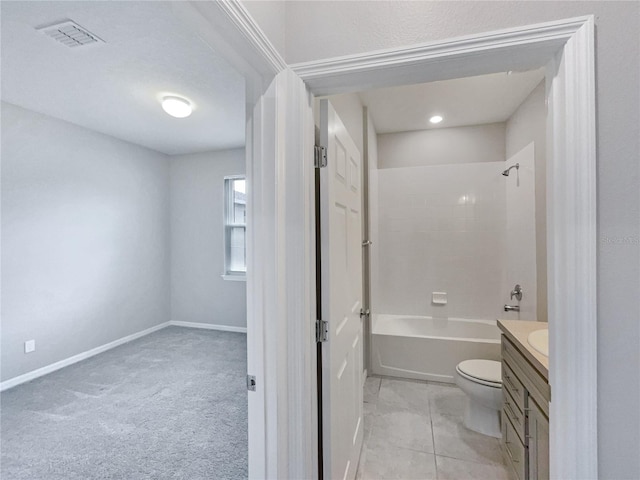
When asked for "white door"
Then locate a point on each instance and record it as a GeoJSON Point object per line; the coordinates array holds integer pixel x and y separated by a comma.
{"type": "Point", "coordinates": [341, 293]}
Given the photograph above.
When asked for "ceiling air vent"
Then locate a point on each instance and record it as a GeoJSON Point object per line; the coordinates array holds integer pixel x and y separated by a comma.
{"type": "Point", "coordinates": [71, 34]}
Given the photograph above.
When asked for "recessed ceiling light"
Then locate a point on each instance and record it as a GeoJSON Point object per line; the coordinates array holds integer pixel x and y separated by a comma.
{"type": "Point", "coordinates": [435, 119]}
{"type": "Point", "coordinates": [176, 106]}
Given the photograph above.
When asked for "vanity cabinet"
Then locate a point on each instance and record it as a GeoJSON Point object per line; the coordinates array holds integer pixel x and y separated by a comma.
{"type": "Point", "coordinates": [538, 442]}
{"type": "Point", "coordinates": [525, 415]}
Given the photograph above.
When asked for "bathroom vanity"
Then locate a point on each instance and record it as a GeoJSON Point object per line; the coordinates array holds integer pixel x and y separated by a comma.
{"type": "Point", "coordinates": [525, 411]}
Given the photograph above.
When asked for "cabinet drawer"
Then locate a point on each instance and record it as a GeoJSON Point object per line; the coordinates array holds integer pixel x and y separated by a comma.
{"type": "Point", "coordinates": [535, 384]}
{"type": "Point", "coordinates": [512, 385]}
{"type": "Point", "coordinates": [514, 450]}
{"type": "Point", "coordinates": [516, 416]}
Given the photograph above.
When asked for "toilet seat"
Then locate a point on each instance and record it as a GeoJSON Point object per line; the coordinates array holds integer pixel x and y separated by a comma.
{"type": "Point", "coordinates": [484, 372]}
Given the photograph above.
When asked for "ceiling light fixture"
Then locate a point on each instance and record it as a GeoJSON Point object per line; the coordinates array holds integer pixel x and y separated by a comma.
{"type": "Point", "coordinates": [435, 119]}
{"type": "Point", "coordinates": [176, 106]}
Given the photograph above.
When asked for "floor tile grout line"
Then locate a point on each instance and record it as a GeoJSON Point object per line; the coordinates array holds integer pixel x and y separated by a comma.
{"type": "Point", "coordinates": [432, 411]}
{"type": "Point", "coordinates": [471, 461]}
{"type": "Point", "coordinates": [433, 438]}
{"type": "Point", "coordinates": [412, 449]}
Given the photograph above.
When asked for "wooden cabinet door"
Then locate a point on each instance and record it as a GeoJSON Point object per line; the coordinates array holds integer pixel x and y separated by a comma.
{"type": "Point", "coordinates": [538, 443]}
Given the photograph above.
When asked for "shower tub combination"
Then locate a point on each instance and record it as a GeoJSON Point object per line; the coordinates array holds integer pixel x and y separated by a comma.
{"type": "Point", "coordinates": [426, 348]}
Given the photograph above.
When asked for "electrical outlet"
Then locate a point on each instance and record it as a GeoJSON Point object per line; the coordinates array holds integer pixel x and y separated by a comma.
{"type": "Point", "coordinates": [29, 346]}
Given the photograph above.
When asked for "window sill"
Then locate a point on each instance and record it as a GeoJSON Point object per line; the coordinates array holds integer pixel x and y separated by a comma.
{"type": "Point", "coordinates": [235, 278]}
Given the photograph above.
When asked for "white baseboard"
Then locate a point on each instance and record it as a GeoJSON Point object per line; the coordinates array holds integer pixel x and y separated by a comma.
{"type": "Point", "coordinates": [208, 326]}
{"type": "Point", "coordinates": [12, 382]}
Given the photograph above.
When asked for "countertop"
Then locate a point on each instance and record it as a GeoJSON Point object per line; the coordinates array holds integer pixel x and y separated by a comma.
{"type": "Point", "coordinates": [517, 331]}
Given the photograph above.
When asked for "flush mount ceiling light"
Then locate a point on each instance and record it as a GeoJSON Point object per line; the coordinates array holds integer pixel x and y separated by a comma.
{"type": "Point", "coordinates": [435, 119]}
{"type": "Point", "coordinates": [176, 106]}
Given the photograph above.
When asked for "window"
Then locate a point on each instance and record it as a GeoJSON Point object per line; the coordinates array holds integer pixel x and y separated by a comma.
{"type": "Point", "coordinates": [235, 228]}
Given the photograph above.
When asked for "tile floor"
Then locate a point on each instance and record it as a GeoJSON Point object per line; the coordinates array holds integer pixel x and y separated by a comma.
{"type": "Point", "coordinates": [414, 430]}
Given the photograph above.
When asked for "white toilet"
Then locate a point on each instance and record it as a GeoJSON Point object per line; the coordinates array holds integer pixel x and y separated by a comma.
{"type": "Point", "coordinates": [481, 381]}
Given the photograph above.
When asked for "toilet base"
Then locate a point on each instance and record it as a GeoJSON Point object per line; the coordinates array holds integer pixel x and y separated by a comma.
{"type": "Point", "coordinates": [482, 419]}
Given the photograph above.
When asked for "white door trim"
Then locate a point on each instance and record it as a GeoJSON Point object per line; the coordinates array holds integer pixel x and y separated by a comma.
{"type": "Point", "coordinates": [567, 50]}
{"type": "Point", "coordinates": [524, 47]}
{"type": "Point", "coordinates": [281, 443]}
{"type": "Point", "coordinates": [572, 250]}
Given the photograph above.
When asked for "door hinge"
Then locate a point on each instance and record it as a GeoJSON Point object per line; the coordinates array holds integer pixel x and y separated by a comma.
{"type": "Point", "coordinates": [322, 331]}
{"type": "Point", "coordinates": [251, 383]}
{"type": "Point", "coordinates": [319, 156]}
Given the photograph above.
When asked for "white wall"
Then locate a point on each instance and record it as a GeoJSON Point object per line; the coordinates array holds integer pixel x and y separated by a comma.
{"type": "Point", "coordinates": [441, 222]}
{"type": "Point", "coordinates": [373, 209]}
{"type": "Point", "coordinates": [467, 231]}
{"type": "Point", "coordinates": [85, 239]}
{"type": "Point", "coordinates": [442, 146]}
{"type": "Point", "coordinates": [441, 229]}
{"type": "Point", "coordinates": [316, 30]}
{"type": "Point", "coordinates": [528, 124]}
{"type": "Point", "coordinates": [370, 208]}
{"type": "Point", "coordinates": [198, 292]}
{"type": "Point", "coordinates": [271, 17]}
{"type": "Point", "coordinates": [349, 108]}
{"type": "Point", "coordinates": [520, 235]}
{"type": "Point", "coordinates": [372, 145]}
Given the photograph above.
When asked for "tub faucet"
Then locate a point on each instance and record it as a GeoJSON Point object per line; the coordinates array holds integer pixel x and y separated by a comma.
{"type": "Point", "coordinates": [516, 292]}
{"type": "Point", "coordinates": [512, 308]}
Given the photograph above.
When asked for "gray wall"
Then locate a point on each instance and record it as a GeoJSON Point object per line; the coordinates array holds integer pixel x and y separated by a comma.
{"type": "Point", "coordinates": [271, 16]}
{"type": "Point", "coordinates": [349, 108]}
{"type": "Point", "coordinates": [529, 124]}
{"type": "Point", "coordinates": [442, 146]}
{"type": "Point", "coordinates": [85, 239]}
{"type": "Point", "coordinates": [198, 291]}
{"type": "Point", "coordinates": [316, 30]}
{"type": "Point", "coordinates": [370, 207]}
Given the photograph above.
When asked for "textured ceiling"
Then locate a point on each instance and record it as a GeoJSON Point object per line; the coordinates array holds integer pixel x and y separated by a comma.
{"type": "Point", "coordinates": [463, 101]}
{"type": "Point", "coordinates": [114, 87]}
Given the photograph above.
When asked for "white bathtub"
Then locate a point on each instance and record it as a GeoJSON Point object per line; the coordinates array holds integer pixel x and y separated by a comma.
{"type": "Point", "coordinates": [425, 348]}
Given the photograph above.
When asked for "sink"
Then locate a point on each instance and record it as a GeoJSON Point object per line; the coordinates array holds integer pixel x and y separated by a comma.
{"type": "Point", "coordinates": [539, 340]}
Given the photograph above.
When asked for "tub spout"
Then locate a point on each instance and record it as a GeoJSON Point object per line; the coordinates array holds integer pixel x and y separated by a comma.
{"type": "Point", "coordinates": [512, 308]}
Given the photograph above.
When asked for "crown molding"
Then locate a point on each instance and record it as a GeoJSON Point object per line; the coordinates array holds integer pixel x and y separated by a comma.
{"type": "Point", "coordinates": [485, 53]}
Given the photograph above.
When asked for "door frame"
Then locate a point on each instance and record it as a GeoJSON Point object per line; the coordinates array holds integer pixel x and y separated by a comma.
{"type": "Point", "coordinates": [281, 243]}
{"type": "Point", "coordinates": [566, 49]}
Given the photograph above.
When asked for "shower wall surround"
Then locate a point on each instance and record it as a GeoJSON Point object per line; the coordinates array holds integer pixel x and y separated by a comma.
{"type": "Point", "coordinates": [441, 228]}
{"type": "Point", "coordinates": [521, 253]}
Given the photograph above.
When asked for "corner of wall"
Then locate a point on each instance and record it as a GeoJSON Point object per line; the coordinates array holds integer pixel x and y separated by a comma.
{"type": "Point", "coordinates": [526, 125]}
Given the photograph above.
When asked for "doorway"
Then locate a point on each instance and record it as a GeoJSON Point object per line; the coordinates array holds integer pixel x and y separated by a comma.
{"type": "Point", "coordinates": [123, 243]}
{"type": "Point", "coordinates": [443, 216]}
{"type": "Point", "coordinates": [570, 51]}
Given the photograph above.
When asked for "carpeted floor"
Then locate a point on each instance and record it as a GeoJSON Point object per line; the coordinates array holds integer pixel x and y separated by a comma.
{"type": "Point", "coordinates": [171, 405]}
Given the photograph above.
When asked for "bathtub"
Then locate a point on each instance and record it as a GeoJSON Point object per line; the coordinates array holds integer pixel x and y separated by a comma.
{"type": "Point", "coordinates": [427, 348]}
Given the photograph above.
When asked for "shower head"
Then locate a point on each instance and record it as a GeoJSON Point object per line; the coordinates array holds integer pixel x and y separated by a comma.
{"type": "Point", "coordinates": [506, 172]}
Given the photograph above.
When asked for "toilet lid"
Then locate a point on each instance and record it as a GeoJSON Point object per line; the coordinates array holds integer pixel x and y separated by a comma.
{"type": "Point", "coordinates": [486, 370]}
